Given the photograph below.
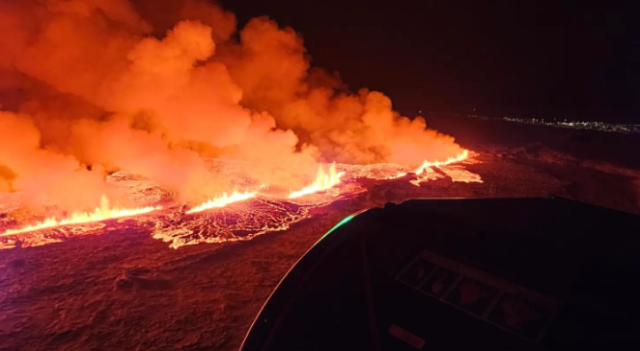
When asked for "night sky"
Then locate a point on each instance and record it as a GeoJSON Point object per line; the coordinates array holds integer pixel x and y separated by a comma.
{"type": "Point", "coordinates": [577, 59]}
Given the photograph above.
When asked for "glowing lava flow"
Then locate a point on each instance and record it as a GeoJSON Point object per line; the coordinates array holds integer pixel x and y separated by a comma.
{"type": "Point", "coordinates": [324, 181]}
{"type": "Point", "coordinates": [101, 213]}
{"type": "Point", "coordinates": [462, 156]}
{"type": "Point", "coordinates": [457, 173]}
{"type": "Point", "coordinates": [398, 175]}
{"type": "Point", "coordinates": [222, 201]}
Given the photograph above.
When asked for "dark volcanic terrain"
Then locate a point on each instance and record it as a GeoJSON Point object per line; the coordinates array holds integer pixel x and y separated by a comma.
{"type": "Point", "coordinates": [124, 290]}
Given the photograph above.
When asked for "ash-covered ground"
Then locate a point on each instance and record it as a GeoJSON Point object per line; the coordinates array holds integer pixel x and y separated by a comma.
{"type": "Point", "coordinates": [126, 290]}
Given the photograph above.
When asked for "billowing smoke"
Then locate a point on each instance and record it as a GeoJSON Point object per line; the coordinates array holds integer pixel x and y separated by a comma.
{"type": "Point", "coordinates": [88, 87]}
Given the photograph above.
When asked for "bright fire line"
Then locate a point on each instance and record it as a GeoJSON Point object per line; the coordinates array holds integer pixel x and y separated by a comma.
{"type": "Point", "coordinates": [101, 213]}
{"type": "Point", "coordinates": [324, 181]}
{"type": "Point", "coordinates": [222, 201]}
{"type": "Point", "coordinates": [462, 156]}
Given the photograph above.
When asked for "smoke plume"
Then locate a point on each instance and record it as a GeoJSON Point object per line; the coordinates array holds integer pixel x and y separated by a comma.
{"type": "Point", "coordinates": [89, 87]}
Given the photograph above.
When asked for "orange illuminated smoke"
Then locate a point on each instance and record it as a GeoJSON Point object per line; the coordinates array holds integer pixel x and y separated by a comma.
{"type": "Point", "coordinates": [462, 156]}
{"type": "Point", "coordinates": [324, 181]}
{"type": "Point", "coordinates": [222, 201]}
{"type": "Point", "coordinates": [101, 213]}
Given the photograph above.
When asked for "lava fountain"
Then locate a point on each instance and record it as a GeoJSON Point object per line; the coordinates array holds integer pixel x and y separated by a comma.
{"type": "Point", "coordinates": [102, 213]}
{"type": "Point", "coordinates": [222, 201]}
{"type": "Point", "coordinates": [325, 180]}
{"type": "Point", "coordinates": [428, 164]}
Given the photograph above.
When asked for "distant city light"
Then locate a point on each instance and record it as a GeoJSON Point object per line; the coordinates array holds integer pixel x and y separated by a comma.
{"type": "Point", "coordinates": [584, 125]}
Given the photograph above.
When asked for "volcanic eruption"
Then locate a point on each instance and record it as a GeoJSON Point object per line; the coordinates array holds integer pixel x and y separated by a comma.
{"type": "Point", "coordinates": [112, 112]}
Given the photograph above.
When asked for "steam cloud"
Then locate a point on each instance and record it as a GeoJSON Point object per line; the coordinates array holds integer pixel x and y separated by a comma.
{"type": "Point", "coordinates": [151, 87]}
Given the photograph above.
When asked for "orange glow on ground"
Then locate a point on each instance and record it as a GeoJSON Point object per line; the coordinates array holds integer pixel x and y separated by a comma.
{"type": "Point", "coordinates": [325, 180]}
{"type": "Point", "coordinates": [101, 213]}
{"type": "Point", "coordinates": [222, 201]}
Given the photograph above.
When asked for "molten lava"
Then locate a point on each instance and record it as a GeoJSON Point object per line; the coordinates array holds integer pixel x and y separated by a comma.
{"type": "Point", "coordinates": [267, 213]}
{"type": "Point", "coordinates": [457, 173]}
{"type": "Point", "coordinates": [222, 201]}
{"type": "Point", "coordinates": [460, 157]}
{"type": "Point", "coordinates": [428, 174]}
{"type": "Point", "coordinates": [398, 175]}
{"type": "Point", "coordinates": [325, 180]}
{"type": "Point", "coordinates": [101, 213]}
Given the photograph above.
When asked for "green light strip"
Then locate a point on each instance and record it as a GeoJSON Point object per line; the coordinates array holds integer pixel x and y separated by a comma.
{"type": "Point", "coordinates": [342, 222]}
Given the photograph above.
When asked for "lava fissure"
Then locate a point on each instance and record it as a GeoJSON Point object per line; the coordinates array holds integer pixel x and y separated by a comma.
{"type": "Point", "coordinates": [193, 104]}
{"type": "Point", "coordinates": [102, 213]}
{"type": "Point", "coordinates": [268, 212]}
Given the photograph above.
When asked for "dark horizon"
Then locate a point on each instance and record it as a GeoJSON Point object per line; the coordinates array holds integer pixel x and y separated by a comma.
{"type": "Point", "coordinates": [529, 59]}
